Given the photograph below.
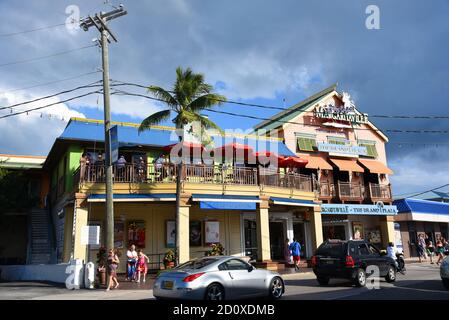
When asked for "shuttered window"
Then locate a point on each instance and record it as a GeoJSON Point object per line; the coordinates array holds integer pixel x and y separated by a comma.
{"type": "Point", "coordinates": [306, 144]}
{"type": "Point", "coordinates": [370, 148]}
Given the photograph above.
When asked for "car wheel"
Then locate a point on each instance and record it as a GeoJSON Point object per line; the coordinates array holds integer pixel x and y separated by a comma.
{"type": "Point", "coordinates": [391, 274]}
{"type": "Point", "coordinates": [323, 281]}
{"type": "Point", "coordinates": [276, 288]}
{"type": "Point", "coordinates": [446, 283]}
{"type": "Point", "coordinates": [360, 279]}
{"type": "Point", "coordinates": [214, 292]}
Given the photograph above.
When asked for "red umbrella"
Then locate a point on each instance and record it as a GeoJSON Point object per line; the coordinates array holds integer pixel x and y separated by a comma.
{"type": "Point", "coordinates": [269, 156]}
{"type": "Point", "coordinates": [234, 149]}
{"type": "Point", "coordinates": [293, 162]}
{"type": "Point", "coordinates": [186, 147]}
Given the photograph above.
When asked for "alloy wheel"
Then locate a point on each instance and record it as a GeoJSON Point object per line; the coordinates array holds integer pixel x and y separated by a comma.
{"type": "Point", "coordinates": [214, 292]}
{"type": "Point", "coordinates": [277, 287]}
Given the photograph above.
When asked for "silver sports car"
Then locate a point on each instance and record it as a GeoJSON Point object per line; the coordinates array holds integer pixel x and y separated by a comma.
{"type": "Point", "coordinates": [217, 278]}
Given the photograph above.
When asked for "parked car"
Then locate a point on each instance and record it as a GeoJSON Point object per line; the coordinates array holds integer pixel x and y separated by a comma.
{"type": "Point", "coordinates": [349, 260]}
{"type": "Point", "coordinates": [444, 271]}
{"type": "Point", "coordinates": [217, 278]}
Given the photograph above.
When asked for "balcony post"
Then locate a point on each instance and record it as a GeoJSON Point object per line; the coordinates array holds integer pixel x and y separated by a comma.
{"type": "Point", "coordinates": [387, 230]}
{"type": "Point", "coordinates": [80, 220]}
{"type": "Point", "coordinates": [263, 231]}
{"type": "Point", "coordinates": [317, 227]}
{"type": "Point", "coordinates": [183, 222]}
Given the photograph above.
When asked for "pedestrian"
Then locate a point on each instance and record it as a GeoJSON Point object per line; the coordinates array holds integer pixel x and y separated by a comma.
{"type": "Point", "coordinates": [392, 253]}
{"type": "Point", "coordinates": [295, 249]}
{"type": "Point", "coordinates": [287, 251]}
{"type": "Point", "coordinates": [440, 251]}
{"type": "Point", "coordinates": [113, 262]}
{"type": "Point", "coordinates": [430, 251]}
{"type": "Point", "coordinates": [421, 247]}
{"type": "Point", "coordinates": [131, 254]}
{"type": "Point", "coordinates": [142, 267]}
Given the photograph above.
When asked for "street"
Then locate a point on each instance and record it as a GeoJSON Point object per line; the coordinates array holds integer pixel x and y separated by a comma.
{"type": "Point", "coordinates": [422, 281]}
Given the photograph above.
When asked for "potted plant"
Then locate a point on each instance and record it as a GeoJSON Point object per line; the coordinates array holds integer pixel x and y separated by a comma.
{"type": "Point", "coordinates": [169, 259]}
{"type": "Point", "coordinates": [102, 260]}
{"type": "Point", "coordinates": [216, 250]}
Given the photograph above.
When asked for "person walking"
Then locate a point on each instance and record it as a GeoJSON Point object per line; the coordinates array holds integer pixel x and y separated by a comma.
{"type": "Point", "coordinates": [113, 262]}
{"type": "Point", "coordinates": [440, 251]}
{"type": "Point", "coordinates": [421, 247]}
{"type": "Point", "coordinates": [295, 249]}
{"type": "Point", "coordinates": [430, 251]}
{"type": "Point", "coordinates": [142, 267]}
{"type": "Point", "coordinates": [131, 254]}
{"type": "Point", "coordinates": [287, 251]}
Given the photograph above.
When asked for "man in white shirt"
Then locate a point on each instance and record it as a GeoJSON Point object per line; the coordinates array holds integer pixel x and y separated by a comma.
{"type": "Point", "coordinates": [131, 254]}
{"type": "Point", "coordinates": [391, 253]}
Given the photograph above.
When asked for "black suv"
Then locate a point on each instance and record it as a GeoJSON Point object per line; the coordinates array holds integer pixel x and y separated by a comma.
{"type": "Point", "coordinates": [349, 260]}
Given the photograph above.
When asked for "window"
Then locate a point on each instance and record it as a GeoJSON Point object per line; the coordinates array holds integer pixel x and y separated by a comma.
{"type": "Point", "coordinates": [373, 250]}
{"type": "Point", "coordinates": [197, 264]}
{"type": "Point", "coordinates": [234, 264]}
{"type": "Point", "coordinates": [370, 148]}
{"type": "Point", "coordinates": [338, 140]}
{"type": "Point", "coordinates": [306, 142]}
{"type": "Point", "coordinates": [363, 250]}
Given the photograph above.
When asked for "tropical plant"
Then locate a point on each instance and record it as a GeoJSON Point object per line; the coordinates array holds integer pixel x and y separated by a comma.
{"type": "Point", "coordinates": [189, 96]}
{"type": "Point", "coordinates": [169, 256]}
{"type": "Point", "coordinates": [217, 249]}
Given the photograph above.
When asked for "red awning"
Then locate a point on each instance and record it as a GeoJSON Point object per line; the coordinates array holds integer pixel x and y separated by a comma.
{"type": "Point", "coordinates": [293, 162]}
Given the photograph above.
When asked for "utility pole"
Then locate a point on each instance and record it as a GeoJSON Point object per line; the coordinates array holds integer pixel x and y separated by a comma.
{"type": "Point", "coordinates": [99, 21]}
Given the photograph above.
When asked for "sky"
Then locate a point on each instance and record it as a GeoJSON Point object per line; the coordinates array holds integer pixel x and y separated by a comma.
{"type": "Point", "coordinates": [266, 52]}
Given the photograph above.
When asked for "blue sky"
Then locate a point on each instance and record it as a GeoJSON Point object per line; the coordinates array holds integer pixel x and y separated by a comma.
{"type": "Point", "coordinates": [271, 52]}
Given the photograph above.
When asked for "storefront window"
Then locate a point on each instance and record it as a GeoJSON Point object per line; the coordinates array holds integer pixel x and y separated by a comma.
{"type": "Point", "coordinates": [334, 232]}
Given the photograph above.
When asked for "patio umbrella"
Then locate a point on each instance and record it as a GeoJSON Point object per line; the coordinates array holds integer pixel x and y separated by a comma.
{"type": "Point", "coordinates": [187, 148]}
{"type": "Point", "coordinates": [234, 149]}
{"type": "Point", "coordinates": [293, 162]}
{"type": "Point", "coordinates": [270, 156]}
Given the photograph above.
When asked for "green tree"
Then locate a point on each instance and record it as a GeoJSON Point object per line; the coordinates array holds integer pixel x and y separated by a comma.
{"type": "Point", "coordinates": [189, 96]}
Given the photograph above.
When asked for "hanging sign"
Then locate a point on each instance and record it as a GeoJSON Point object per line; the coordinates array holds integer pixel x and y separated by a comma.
{"type": "Point", "coordinates": [113, 132]}
{"type": "Point", "coordinates": [341, 148]}
{"type": "Point", "coordinates": [341, 114]}
{"type": "Point", "coordinates": [90, 235]}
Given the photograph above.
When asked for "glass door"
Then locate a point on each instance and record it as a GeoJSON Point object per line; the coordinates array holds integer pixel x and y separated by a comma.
{"type": "Point", "coordinates": [250, 238]}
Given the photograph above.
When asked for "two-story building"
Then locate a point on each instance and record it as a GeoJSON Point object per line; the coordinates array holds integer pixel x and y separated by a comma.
{"type": "Point", "coordinates": [249, 208]}
{"type": "Point", "coordinates": [346, 152]}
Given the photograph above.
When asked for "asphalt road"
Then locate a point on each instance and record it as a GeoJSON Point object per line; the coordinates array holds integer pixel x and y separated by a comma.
{"type": "Point", "coordinates": [422, 281]}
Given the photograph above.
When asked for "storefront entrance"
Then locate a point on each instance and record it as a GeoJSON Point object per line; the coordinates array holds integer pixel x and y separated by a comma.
{"type": "Point", "coordinates": [334, 232]}
{"type": "Point", "coordinates": [277, 239]}
{"type": "Point", "coordinates": [300, 236]}
{"type": "Point", "coordinates": [250, 236]}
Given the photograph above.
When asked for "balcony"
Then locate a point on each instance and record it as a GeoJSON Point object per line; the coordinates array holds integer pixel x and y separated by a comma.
{"type": "Point", "coordinates": [195, 174]}
{"type": "Point", "coordinates": [353, 192]}
{"type": "Point", "coordinates": [327, 191]}
{"type": "Point", "coordinates": [380, 192]}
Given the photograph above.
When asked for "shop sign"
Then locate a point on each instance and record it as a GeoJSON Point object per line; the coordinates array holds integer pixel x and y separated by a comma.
{"type": "Point", "coordinates": [375, 210]}
{"type": "Point", "coordinates": [341, 114]}
{"type": "Point", "coordinates": [340, 148]}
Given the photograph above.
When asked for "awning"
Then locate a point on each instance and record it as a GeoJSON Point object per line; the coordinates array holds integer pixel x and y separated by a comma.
{"type": "Point", "coordinates": [347, 165]}
{"type": "Point", "coordinates": [293, 202]}
{"type": "Point", "coordinates": [375, 166]}
{"type": "Point", "coordinates": [422, 210]}
{"type": "Point", "coordinates": [133, 197]}
{"type": "Point", "coordinates": [316, 162]}
{"type": "Point", "coordinates": [226, 202]}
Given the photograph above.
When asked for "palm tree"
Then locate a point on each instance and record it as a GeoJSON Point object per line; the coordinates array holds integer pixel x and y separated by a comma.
{"type": "Point", "coordinates": [188, 97]}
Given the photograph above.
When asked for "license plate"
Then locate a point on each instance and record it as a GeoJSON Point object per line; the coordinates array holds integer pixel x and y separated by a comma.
{"type": "Point", "coordinates": [329, 262]}
{"type": "Point", "coordinates": [167, 285]}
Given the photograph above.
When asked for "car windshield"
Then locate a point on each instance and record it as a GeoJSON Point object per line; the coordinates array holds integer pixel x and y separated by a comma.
{"type": "Point", "coordinates": [330, 249]}
{"type": "Point", "coordinates": [197, 264]}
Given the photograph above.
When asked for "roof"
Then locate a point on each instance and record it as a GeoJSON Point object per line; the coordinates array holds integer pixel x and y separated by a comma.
{"type": "Point", "coordinates": [410, 205]}
{"type": "Point", "coordinates": [89, 130]}
{"type": "Point", "coordinates": [293, 111]}
{"type": "Point", "coordinates": [12, 161]}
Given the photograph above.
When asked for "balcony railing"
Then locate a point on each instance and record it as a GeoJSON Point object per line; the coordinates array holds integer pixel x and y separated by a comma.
{"type": "Point", "coordinates": [348, 191]}
{"type": "Point", "coordinates": [380, 192]}
{"type": "Point", "coordinates": [203, 174]}
{"type": "Point", "coordinates": [327, 191]}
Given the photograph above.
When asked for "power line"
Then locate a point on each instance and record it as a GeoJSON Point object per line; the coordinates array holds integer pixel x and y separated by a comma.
{"type": "Point", "coordinates": [51, 82]}
{"type": "Point", "coordinates": [31, 30]}
{"type": "Point", "coordinates": [290, 122]}
{"type": "Point", "coordinates": [47, 56]}
{"type": "Point", "coordinates": [91, 85]}
{"type": "Point", "coordinates": [420, 193]}
{"type": "Point", "coordinates": [430, 117]}
{"type": "Point", "coordinates": [49, 105]}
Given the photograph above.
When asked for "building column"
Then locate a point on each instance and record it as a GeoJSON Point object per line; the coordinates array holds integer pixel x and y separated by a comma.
{"type": "Point", "coordinates": [184, 221]}
{"type": "Point", "coordinates": [316, 227]}
{"type": "Point", "coordinates": [80, 220]}
{"type": "Point", "coordinates": [263, 231]}
{"type": "Point", "coordinates": [290, 234]}
{"type": "Point", "coordinates": [387, 230]}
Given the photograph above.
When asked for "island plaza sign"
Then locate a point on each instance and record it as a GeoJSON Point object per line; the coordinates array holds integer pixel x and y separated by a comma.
{"type": "Point", "coordinates": [342, 149]}
{"type": "Point", "coordinates": [378, 209]}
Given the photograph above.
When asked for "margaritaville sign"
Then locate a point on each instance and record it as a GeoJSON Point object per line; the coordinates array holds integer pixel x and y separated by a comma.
{"type": "Point", "coordinates": [339, 148]}
{"type": "Point", "coordinates": [377, 209]}
{"type": "Point", "coordinates": [340, 113]}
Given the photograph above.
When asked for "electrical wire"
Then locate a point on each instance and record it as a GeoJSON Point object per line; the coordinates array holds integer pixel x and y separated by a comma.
{"type": "Point", "coordinates": [47, 56]}
{"type": "Point", "coordinates": [51, 104]}
{"type": "Point", "coordinates": [420, 193]}
{"type": "Point", "coordinates": [51, 82]}
{"type": "Point", "coordinates": [32, 30]}
{"type": "Point", "coordinates": [91, 85]}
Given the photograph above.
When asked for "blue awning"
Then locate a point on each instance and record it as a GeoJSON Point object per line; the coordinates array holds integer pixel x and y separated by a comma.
{"type": "Point", "coordinates": [293, 202]}
{"type": "Point", "coordinates": [227, 205]}
{"type": "Point", "coordinates": [410, 205]}
{"type": "Point", "coordinates": [133, 197]}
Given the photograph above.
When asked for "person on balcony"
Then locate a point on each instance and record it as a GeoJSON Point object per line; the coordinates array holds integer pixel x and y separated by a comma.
{"type": "Point", "coordinates": [141, 172]}
{"type": "Point", "coordinates": [121, 164]}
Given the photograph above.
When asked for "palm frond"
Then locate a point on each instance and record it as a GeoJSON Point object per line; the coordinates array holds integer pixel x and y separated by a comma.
{"type": "Point", "coordinates": [206, 101]}
{"type": "Point", "coordinates": [154, 119]}
{"type": "Point", "coordinates": [208, 124]}
{"type": "Point", "coordinates": [164, 95]}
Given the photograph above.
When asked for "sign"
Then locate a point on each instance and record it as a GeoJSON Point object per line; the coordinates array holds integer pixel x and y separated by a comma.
{"type": "Point", "coordinates": [220, 205]}
{"type": "Point", "coordinates": [171, 233]}
{"type": "Point", "coordinates": [340, 148]}
{"type": "Point", "coordinates": [212, 231]}
{"type": "Point", "coordinates": [372, 210]}
{"type": "Point", "coordinates": [398, 238]}
{"type": "Point", "coordinates": [113, 134]}
{"type": "Point", "coordinates": [90, 235]}
{"type": "Point", "coordinates": [340, 113]}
